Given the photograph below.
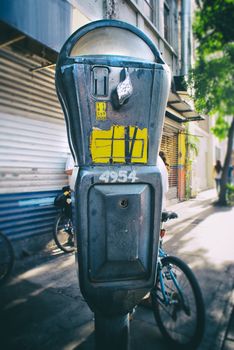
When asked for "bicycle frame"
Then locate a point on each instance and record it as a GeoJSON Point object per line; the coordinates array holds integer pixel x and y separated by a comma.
{"type": "Point", "coordinates": [165, 300]}
{"type": "Point", "coordinates": [176, 298]}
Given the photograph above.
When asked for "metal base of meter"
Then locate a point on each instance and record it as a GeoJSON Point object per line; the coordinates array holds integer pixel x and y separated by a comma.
{"type": "Point", "coordinates": [111, 332]}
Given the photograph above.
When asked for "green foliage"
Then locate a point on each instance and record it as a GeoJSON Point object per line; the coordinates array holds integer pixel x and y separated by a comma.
{"type": "Point", "coordinates": [213, 25]}
{"type": "Point", "coordinates": [213, 75]}
{"type": "Point", "coordinates": [230, 187]}
{"type": "Point", "coordinates": [213, 83]}
{"type": "Point", "coordinates": [221, 128]}
{"type": "Point", "coordinates": [192, 143]}
{"type": "Point", "coordinates": [230, 194]}
{"type": "Point", "coordinates": [192, 148]}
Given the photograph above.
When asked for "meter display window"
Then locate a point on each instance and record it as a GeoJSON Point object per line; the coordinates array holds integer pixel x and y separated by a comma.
{"type": "Point", "coordinates": [112, 41]}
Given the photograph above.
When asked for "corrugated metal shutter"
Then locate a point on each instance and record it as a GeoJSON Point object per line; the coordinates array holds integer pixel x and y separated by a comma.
{"type": "Point", "coordinates": [27, 214]}
{"type": "Point", "coordinates": [33, 142]}
{"type": "Point", "coordinates": [33, 145]}
{"type": "Point", "coordinates": [169, 145]}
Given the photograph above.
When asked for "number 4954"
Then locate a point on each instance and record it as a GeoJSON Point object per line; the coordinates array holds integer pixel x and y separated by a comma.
{"type": "Point", "coordinates": [118, 176]}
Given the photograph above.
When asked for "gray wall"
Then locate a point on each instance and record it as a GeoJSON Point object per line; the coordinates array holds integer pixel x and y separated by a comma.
{"type": "Point", "coordinates": [47, 21]}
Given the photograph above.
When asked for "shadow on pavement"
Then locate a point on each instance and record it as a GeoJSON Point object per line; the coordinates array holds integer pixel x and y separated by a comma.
{"type": "Point", "coordinates": [41, 307]}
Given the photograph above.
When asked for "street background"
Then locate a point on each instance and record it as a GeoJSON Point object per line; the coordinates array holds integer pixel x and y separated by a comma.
{"type": "Point", "coordinates": [41, 307]}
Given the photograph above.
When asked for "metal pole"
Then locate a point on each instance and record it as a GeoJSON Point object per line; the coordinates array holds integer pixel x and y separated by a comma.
{"type": "Point", "coordinates": [112, 332]}
{"type": "Point", "coordinates": [185, 36]}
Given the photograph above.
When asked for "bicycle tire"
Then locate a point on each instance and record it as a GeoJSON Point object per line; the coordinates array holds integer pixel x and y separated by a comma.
{"type": "Point", "coordinates": [7, 258]}
{"type": "Point", "coordinates": [175, 320]}
{"type": "Point", "coordinates": [63, 238]}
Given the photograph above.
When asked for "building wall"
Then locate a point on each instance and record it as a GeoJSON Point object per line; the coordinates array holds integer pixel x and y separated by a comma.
{"type": "Point", "coordinates": [200, 162]}
{"type": "Point", "coordinates": [210, 150]}
{"type": "Point", "coordinates": [38, 19]}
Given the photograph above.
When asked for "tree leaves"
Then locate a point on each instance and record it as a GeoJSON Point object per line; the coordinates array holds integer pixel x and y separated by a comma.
{"type": "Point", "coordinates": [221, 128]}
{"type": "Point", "coordinates": [213, 25]}
{"type": "Point", "coordinates": [213, 83]}
{"type": "Point", "coordinates": [213, 74]}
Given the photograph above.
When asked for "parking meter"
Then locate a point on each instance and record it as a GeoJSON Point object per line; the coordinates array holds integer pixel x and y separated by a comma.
{"type": "Point", "coordinates": [113, 86]}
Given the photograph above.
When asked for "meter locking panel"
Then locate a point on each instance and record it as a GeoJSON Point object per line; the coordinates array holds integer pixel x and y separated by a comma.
{"type": "Point", "coordinates": [120, 231]}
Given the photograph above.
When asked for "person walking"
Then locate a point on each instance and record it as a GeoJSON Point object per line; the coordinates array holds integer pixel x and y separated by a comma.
{"type": "Point", "coordinates": [218, 169]}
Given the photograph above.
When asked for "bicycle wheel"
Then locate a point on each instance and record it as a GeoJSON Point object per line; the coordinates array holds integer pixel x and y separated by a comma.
{"type": "Point", "coordinates": [63, 233]}
{"type": "Point", "coordinates": [182, 319]}
{"type": "Point", "coordinates": [6, 258]}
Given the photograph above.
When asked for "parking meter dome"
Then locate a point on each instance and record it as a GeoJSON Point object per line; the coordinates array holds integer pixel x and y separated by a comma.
{"type": "Point", "coordinates": [113, 41]}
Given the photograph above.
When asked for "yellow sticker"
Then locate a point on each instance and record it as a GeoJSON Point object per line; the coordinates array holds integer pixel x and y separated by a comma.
{"type": "Point", "coordinates": [120, 144]}
{"type": "Point", "coordinates": [101, 110]}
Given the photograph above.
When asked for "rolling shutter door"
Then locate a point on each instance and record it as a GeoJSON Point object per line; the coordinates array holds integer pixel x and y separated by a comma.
{"type": "Point", "coordinates": [33, 145]}
{"type": "Point", "coordinates": [169, 145]}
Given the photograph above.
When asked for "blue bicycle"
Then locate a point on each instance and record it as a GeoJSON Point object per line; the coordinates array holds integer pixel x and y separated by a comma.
{"type": "Point", "coordinates": [63, 229]}
{"type": "Point", "coordinates": [7, 257]}
{"type": "Point", "coordinates": [177, 300]}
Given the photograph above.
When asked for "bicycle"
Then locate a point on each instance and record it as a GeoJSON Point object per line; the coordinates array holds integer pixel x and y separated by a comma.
{"type": "Point", "coordinates": [7, 258]}
{"type": "Point", "coordinates": [63, 229]}
{"type": "Point", "coordinates": [176, 299]}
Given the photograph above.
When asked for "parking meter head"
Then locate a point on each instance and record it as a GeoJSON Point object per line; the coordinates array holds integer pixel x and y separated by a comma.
{"type": "Point", "coordinates": [113, 86]}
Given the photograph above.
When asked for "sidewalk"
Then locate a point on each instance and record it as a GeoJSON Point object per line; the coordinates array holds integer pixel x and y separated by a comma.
{"type": "Point", "coordinates": [220, 249]}
{"type": "Point", "coordinates": [41, 307]}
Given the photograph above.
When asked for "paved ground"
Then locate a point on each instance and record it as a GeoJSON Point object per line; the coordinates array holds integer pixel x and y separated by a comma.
{"type": "Point", "coordinates": [41, 307]}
